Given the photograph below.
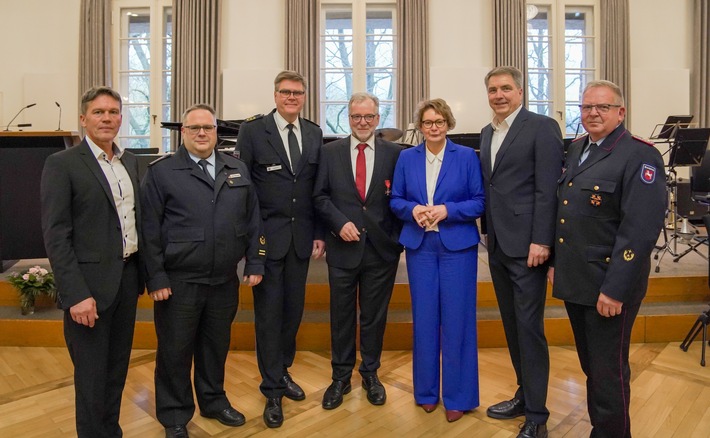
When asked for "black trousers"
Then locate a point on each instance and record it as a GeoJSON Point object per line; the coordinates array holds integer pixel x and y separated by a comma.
{"type": "Point", "coordinates": [278, 309]}
{"type": "Point", "coordinates": [100, 356]}
{"type": "Point", "coordinates": [194, 323]}
{"type": "Point", "coordinates": [603, 350]}
{"type": "Point", "coordinates": [369, 284]}
{"type": "Point", "coordinates": [520, 291]}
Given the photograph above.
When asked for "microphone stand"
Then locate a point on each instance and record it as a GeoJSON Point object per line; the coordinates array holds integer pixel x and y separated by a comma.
{"type": "Point", "coordinates": [7, 128]}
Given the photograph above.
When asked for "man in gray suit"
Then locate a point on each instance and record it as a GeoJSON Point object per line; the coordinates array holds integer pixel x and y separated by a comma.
{"type": "Point", "coordinates": [91, 224]}
{"type": "Point", "coordinates": [352, 198]}
{"type": "Point", "coordinates": [521, 157]}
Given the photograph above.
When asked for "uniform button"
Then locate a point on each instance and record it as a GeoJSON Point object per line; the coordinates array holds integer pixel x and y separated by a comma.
{"type": "Point", "coordinates": [570, 184]}
{"type": "Point", "coordinates": [364, 208]}
{"type": "Point", "coordinates": [596, 187]}
{"type": "Point", "coordinates": [294, 180]}
{"type": "Point", "coordinates": [293, 219]}
{"type": "Point", "coordinates": [294, 199]}
{"type": "Point", "coordinates": [364, 230]}
{"type": "Point", "coordinates": [562, 240]}
{"type": "Point", "coordinates": [562, 221]}
{"type": "Point", "coordinates": [564, 202]}
{"type": "Point", "coordinates": [608, 259]}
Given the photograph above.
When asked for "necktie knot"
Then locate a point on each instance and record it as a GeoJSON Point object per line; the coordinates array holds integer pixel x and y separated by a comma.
{"type": "Point", "coordinates": [361, 147]}
{"type": "Point", "coordinates": [203, 164]}
{"type": "Point", "coordinates": [290, 127]}
{"type": "Point", "coordinates": [588, 149]}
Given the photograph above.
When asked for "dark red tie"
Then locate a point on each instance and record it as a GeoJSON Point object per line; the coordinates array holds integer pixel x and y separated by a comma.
{"type": "Point", "coordinates": [360, 172]}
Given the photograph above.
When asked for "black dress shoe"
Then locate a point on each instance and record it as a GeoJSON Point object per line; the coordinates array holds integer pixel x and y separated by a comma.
{"type": "Point", "coordinates": [333, 396]}
{"type": "Point", "coordinates": [273, 414]}
{"type": "Point", "coordinates": [176, 432]}
{"type": "Point", "coordinates": [530, 429]}
{"type": "Point", "coordinates": [228, 417]}
{"type": "Point", "coordinates": [506, 410]}
{"type": "Point", "coordinates": [293, 391]}
{"type": "Point", "coordinates": [375, 391]}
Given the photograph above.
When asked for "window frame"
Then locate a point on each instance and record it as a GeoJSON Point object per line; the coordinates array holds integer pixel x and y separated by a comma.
{"type": "Point", "coordinates": [157, 102]}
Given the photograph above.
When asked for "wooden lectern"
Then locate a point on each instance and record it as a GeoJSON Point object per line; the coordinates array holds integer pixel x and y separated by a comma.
{"type": "Point", "coordinates": [22, 156]}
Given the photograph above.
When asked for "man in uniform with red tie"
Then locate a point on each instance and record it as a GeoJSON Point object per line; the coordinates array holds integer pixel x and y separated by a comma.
{"type": "Point", "coordinates": [352, 199]}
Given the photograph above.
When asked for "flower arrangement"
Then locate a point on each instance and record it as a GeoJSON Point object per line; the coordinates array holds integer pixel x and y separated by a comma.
{"type": "Point", "coordinates": [32, 283]}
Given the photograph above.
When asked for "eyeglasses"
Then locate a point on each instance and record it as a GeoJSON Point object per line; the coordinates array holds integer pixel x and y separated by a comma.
{"type": "Point", "coordinates": [602, 108]}
{"type": "Point", "coordinates": [439, 123]}
{"type": "Point", "coordinates": [195, 129]}
{"type": "Point", "coordinates": [368, 117]}
{"type": "Point", "coordinates": [288, 93]}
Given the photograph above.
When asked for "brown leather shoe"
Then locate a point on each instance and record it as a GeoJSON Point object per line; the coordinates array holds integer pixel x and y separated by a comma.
{"type": "Point", "coordinates": [428, 408]}
{"type": "Point", "coordinates": [453, 415]}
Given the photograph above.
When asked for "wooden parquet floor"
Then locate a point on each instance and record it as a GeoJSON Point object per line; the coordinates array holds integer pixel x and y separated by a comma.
{"type": "Point", "coordinates": [670, 397]}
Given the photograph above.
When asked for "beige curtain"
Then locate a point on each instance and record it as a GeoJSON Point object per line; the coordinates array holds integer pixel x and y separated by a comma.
{"type": "Point", "coordinates": [509, 38]}
{"type": "Point", "coordinates": [412, 58]}
{"type": "Point", "coordinates": [700, 76]}
{"type": "Point", "coordinates": [615, 64]}
{"type": "Point", "coordinates": [94, 45]}
{"type": "Point", "coordinates": [302, 47]}
{"type": "Point", "coordinates": [196, 61]}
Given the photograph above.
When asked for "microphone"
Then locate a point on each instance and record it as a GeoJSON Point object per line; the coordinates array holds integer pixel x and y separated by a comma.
{"type": "Point", "coordinates": [59, 124]}
{"type": "Point", "coordinates": [7, 128]}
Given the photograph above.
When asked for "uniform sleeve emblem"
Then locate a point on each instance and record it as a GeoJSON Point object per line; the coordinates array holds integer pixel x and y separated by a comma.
{"type": "Point", "coordinates": [648, 173]}
{"type": "Point", "coordinates": [629, 255]}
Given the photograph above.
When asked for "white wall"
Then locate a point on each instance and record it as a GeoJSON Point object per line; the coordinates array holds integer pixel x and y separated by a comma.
{"type": "Point", "coordinates": [253, 53]}
{"type": "Point", "coordinates": [40, 62]}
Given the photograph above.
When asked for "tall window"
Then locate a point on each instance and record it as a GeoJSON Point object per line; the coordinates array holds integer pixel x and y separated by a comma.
{"type": "Point", "coordinates": [142, 32]}
{"type": "Point", "coordinates": [358, 53]}
{"type": "Point", "coordinates": [562, 57]}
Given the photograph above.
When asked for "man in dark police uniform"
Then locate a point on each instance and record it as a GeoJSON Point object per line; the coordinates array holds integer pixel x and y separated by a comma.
{"type": "Point", "coordinates": [201, 218]}
{"type": "Point", "coordinates": [611, 206]}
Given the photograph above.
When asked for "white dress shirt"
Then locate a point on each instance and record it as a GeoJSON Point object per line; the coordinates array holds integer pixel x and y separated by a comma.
{"type": "Point", "coordinates": [433, 167]}
{"type": "Point", "coordinates": [500, 130]}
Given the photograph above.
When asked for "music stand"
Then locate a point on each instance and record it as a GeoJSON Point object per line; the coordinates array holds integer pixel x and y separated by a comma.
{"type": "Point", "coordinates": [670, 126]}
{"type": "Point", "coordinates": [687, 149]}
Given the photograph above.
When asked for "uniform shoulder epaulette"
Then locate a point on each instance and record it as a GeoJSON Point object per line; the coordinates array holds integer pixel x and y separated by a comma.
{"type": "Point", "coordinates": [310, 121]}
{"type": "Point", "coordinates": [164, 157]}
{"type": "Point", "coordinates": [643, 140]}
{"type": "Point", "coordinates": [252, 118]}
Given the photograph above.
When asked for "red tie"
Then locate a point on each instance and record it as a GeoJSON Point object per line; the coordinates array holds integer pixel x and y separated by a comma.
{"type": "Point", "coordinates": [360, 172]}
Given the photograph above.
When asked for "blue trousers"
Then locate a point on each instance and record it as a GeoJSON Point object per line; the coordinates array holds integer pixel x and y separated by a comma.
{"type": "Point", "coordinates": [443, 288]}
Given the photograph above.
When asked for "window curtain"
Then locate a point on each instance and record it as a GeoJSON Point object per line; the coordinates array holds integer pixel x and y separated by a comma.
{"type": "Point", "coordinates": [509, 38]}
{"type": "Point", "coordinates": [412, 58]}
{"type": "Point", "coordinates": [615, 64]}
{"type": "Point", "coordinates": [700, 76]}
{"type": "Point", "coordinates": [302, 30]}
{"type": "Point", "coordinates": [94, 46]}
{"type": "Point", "coordinates": [196, 61]}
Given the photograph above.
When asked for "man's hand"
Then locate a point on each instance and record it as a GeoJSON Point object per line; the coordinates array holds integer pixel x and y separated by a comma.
{"type": "Point", "coordinates": [551, 275]}
{"type": "Point", "coordinates": [538, 254]}
{"type": "Point", "coordinates": [350, 233]}
{"type": "Point", "coordinates": [318, 249]}
{"type": "Point", "coordinates": [607, 306]}
{"type": "Point", "coordinates": [84, 312]}
{"type": "Point", "coordinates": [161, 294]}
{"type": "Point", "coordinates": [252, 280]}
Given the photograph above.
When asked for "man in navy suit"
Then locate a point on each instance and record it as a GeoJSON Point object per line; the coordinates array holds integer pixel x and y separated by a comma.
{"type": "Point", "coordinates": [282, 151]}
{"type": "Point", "coordinates": [91, 224]}
{"type": "Point", "coordinates": [352, 198]}
{"type": "Point", "coordinates": [521, 158]}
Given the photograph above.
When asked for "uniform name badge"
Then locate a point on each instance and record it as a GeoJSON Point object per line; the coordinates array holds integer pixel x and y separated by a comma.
{"type": "Point", "coordinates": [274, 167]}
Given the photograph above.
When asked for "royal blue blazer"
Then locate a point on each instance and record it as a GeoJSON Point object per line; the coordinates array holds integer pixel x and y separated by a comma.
{"type": "Point", "coordinates": [459, 188]}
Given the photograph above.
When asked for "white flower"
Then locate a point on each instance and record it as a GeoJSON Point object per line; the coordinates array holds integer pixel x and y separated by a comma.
{"type": "Point", "coordinates": [26, 277]}
{"type": "Point", "coordinates": [43, 271]}
{"type": "Point", "coordinates": [34, 270]}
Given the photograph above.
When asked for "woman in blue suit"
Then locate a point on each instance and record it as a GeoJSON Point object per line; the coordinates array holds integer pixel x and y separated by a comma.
{"type": "Point", "coordinates": [437, 191]}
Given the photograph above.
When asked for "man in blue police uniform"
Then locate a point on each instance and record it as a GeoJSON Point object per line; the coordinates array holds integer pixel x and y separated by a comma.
{"type": "Point", "coordinates": [611, 207]}
{"type": "Point", "coordinates": [201, 218]}
{"type": "Point", "coordinates": [281, 150]}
